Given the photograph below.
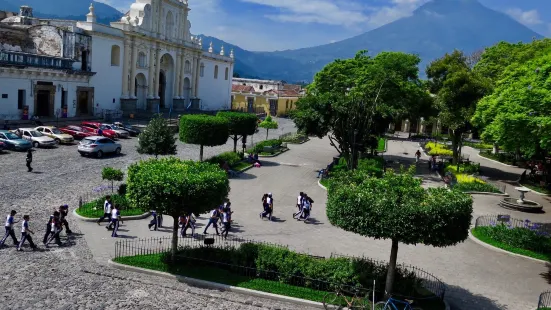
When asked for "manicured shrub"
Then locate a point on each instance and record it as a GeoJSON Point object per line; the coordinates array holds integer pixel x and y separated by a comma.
{"type": "Point", "coordinates": [259, 147]}
{"type": "Point", "coordinates": [231, 158]}
{"type": "Point", "coordinates": [112, 174]}
{"type": "Point", "coordinates": [295, 138]}
{"type": "Point", "coordinates": [268, 123]}
{"type": "Point", "coordinates": [204, 130]}
{"type": "Point", "coordinates": [438, 149]}
{"type": "Point", "coordinates": [240, 124]}
{"type": "Point", "coordinates": [470, 168]}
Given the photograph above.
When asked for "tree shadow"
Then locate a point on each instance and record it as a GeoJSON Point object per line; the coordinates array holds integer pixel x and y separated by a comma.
{"type": "Point", "coordinates": [245, 176]}
{"type": "Point", "coordinates": [265, 163]}
{"type": "Point", "coordinates": [547, 275]}
{"type": "Point", "coordinates": [460, 298]}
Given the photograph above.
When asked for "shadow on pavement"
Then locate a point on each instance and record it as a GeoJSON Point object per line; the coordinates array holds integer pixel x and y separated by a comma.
{"type": "Point", "coordinates": [265, 163]}
{"type": "Point", "coordinates": [462, 299]}
{"type": "Point", "coordinates": [547, 275]}
{"type": "Point", "coordinates": [246, 176]}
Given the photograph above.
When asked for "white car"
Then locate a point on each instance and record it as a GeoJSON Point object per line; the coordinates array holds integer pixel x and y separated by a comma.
{"type": "Point", "coordinates": [36, 138]}
{"type": "Point", "coordinates": [121, 133]}
{"type": "Point", "coordinates": [98, 146]}
{"type": "Point", "coordinates": [55, 134]}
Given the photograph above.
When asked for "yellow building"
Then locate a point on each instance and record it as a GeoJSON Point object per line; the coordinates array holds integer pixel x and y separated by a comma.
{"type": "Point", "coordinates": [264, 96]}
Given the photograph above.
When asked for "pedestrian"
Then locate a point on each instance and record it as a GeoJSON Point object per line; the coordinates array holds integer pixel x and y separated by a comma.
{"type": "Point", "coordinates": [63, 211]}
{"type": "Point", "coordinates": [48, 228]}
{"type": "Point", "coordinates": [265, 206]}
{"type": "Point", "coordinates": [182, 222]}
{"type": "Point", "coordinates": [29, 160]}
{"type": "Point", "coordinates": [10, 220]}
{"type": "Point", "coordinates": [25, 230]}
{"type": "Point", "coordinates": [214, 216]}
{"type": "Point", "coordinates": [154, 221]}
{"type": "Point", "coordinates": [107, 206]}
{"type": "Point", "coordinates": [417, 156]}
{"type": "Point", "coordinates": [226, 222]}
{"type": "Point", "coordinates": [299, 204]}
{"type": "Point", "coordinates": [190, 223]}
{"type": "Point", "coordinates": [270, 201]}
{"type": "Point", "coordinates": [55, 229]}
{"type": "Point", "coordinates": [115, 219]}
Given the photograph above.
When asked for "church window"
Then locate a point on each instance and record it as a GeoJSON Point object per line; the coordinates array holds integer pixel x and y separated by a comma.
{"type": "Point", "coordinates": [226, 74]}
{"type": "Point", "coordinates": [187, 67]}
{"type": "Point", "coordinates": [115, 55]}
{"type": "Point", "coordinates": [261, 87]}
{"type": "Point", "coordinates": [216, 72]}
{"type": "Point", "coordinates": [202, 70]}
{"type": "Point", "coordinates": [169, 25]}
{"type": "Point", "coordinates": [142, 60]}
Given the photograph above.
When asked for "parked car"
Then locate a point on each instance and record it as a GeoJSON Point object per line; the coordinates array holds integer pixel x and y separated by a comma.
{"type": "Point", "coordinates": [77, 132]}
{"type": "Point", "coordinates": [56, 134]}
{"type": "Point", "coordinates": [13, 142]}
{"type": "Point", "coordinates": [36, 138]}
{"type": "Point", "coordinates": [134, 132]}
{"type": "Point", "coordinates": [96, 126]}
{"type": "Point", "coordinates": [121, 133]}
{"type": "Point", "coordinates": [98, 146]}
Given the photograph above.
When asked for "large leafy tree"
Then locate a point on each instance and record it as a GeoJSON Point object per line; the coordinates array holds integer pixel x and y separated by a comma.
{"type": "Point", "coordinates": [204, 130]}
{"type": "Point", "coordinates": [240, 125]}
{"type": "Point", "coordinates": [516, 115]}
{"type": "Point", "coordinates": [175, 187]}
{"type": "Point", "coordinates": [457, 88]}
{"type": "Point", "coordinates": [353, 100]}
{"type": "Point", "coordinates": [396, 207]}
{"type": "Point", "coordinates": [157, 138]}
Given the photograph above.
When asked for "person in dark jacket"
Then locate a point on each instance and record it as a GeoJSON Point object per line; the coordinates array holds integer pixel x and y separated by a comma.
{"type": "Point", "coordinates": [29, 160]}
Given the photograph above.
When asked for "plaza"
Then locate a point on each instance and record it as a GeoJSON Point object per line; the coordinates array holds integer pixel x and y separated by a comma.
{"type": "Point", "coordinates": [477, 277]}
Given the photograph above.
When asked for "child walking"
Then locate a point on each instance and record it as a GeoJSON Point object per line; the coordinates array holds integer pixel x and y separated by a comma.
{"type": "Point", "coordinates": [10, 220]}
{"type": "Point", "coordinates": [25, 230]}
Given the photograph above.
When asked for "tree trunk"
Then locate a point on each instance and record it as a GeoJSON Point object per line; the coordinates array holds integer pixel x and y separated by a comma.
{"type": "Point", "coordinates": [235, 143]}
{"type": "Point", "coordinates": [391, 268]}
{"type": "Point", "coordinates": [174, 238]}
{"type": "Point", "coordinates": [201, 153]}
{"type": "Point", "coordinates": [455, 145]}
{"type": "Point", "coordinates": [267, 133]}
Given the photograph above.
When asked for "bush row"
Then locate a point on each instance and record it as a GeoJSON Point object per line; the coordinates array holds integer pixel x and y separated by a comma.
{"type": "Point", "coordinates": [230, 157]}
{"type": "Point", "coordinates": [259, 147]}
{"type": "Point", "coordinates": [437, 149]}
{"type": "Point", "coordinates": [295, 138]}
{"type": "Point", "coordinates": [281, 264]}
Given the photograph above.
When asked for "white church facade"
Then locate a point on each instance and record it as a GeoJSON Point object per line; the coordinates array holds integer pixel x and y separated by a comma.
{"type": "Point", "coordinates": [146, 61]}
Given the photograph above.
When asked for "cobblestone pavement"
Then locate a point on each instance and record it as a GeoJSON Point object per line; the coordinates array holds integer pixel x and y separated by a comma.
{"type": "Point", "coordinates": [477, 278]}
{"type": "Point", "coordinates": [67, 277]}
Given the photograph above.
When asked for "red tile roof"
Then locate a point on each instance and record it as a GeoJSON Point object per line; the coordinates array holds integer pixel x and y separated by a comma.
{"type": "Point", "coordinates": [242, 88]}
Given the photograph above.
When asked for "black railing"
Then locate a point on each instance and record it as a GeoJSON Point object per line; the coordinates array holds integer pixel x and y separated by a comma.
{"type": "Point", "coordinates": [493, 220]}
{"type": "Point", "coordinates": [29, 60]}
{"type": "Point", "coordinates": [544, 301]}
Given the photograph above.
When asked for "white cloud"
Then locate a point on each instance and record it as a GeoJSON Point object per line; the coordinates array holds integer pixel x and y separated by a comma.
{"type": "Point", "coordinates": [529, 18]}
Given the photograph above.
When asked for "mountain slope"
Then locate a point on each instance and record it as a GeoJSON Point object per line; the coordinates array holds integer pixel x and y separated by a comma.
{"type": "Point", "coordinates": [435, 28]}
{"type": "Point", "coordinates": [63, 8]}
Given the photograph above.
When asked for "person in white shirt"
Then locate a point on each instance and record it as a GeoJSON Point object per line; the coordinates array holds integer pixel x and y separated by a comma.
{"type": "Point", "coordinates": [226, 222]}
{"type": "Point", "coordinates": [107, 208]}
{"type": "Point", "coordinates": [115, 219]}
{"type": "Point", "coordinates": [299, 204]}
{"type": "Point", "coordinates": [26, 233]}
{"type": "Point", "coordinates": [10, 220]}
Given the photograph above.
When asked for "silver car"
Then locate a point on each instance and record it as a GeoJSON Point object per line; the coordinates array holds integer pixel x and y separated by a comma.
{"type": "Point", "coordinates": [121, 133]}
{"type": "Point", "coordinates": [36, 138]}
{"type": "Point", "coordinates": [98, 146]}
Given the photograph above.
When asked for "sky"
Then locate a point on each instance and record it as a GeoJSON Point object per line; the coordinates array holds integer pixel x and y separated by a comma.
{"type": "Point", "coordinates": [268, 25]}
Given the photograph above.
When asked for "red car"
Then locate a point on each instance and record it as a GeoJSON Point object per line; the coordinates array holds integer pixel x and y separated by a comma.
{"type": "Point", "coordinates": [94, 127]}
{"type": "Point", "coordinates": [77, 132]}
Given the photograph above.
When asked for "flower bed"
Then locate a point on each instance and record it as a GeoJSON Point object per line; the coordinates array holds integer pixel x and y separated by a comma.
{"type": "Point", "coordinates": [94, 208]}
{"type": "Point", "coordinates": [528, 240]}
{"type": "Point", "coordinates": [467, 182]}
{"type": "Point", "coordinates": [437, 149]}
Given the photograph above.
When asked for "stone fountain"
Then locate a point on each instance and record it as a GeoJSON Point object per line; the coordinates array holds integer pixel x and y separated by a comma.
{"type": "Point", "coordinates": [521, 204]}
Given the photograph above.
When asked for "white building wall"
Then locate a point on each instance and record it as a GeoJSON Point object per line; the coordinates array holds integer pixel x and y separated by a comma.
{"type": "Point", "coordinates": [107, 81]}
{"type": "Point", "coordinates": [215, 94]}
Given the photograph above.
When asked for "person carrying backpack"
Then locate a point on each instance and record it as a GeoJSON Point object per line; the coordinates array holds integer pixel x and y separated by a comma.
{"type": "Point", "coordinates": [214, 216]}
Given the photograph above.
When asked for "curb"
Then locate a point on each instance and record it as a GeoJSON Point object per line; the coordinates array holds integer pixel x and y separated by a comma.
{"type": "Point", "coordinates": [491, 247]}
{"type": "Point", "coordinates": [488, 194]}
{"type": "Point", "coordinates": [495, 161]}
{"type": "Point", "coordinates": [299, 142]}
{"type": "Point", "coordinates": [217, 286]}
{"type": "Point", "coordinates": [321, 185]}
{"type": "Point", "coordinates": [277, 154]}
{"type": "Point", "coordinates": [125, 218]}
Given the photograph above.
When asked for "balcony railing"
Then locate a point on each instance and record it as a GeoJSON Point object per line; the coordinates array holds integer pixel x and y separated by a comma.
{"type": "Point", "coordinates": [29, 60]}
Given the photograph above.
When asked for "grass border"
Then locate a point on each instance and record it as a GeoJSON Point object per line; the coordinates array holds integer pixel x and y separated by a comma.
{"type": "Point", "coordinates": [488, 240]}
{"type": "Point", "coordinates": [98, 215]}
{"type": "Point", "coordinates": [537, 189]}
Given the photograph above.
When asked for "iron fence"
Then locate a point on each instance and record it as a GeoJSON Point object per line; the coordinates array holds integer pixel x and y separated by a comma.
{"type": "Point", "coordinates": [493, 220]}
{"type": "Point", "coordinates": [544, 301]}
{"type": "Point", "coordinates": [204, 251]}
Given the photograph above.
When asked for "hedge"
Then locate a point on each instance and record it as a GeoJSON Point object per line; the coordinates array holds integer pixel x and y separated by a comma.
{"type": "Point", "coordinates": [259, 147]}
{"type": "Point", "coordinates": [437, 149]}
{"type": "Point", "coordinates": [231, 158]}
{"type": "Point", "coordinates": [204, 130]}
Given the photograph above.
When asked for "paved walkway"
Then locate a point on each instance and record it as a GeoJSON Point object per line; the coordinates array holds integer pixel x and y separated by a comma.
{"type": "Point", "coordinates": [477, 278]}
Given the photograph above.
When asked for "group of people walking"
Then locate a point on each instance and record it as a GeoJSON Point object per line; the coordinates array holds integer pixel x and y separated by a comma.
{"type": "Point", "coordinates": [267, 206]}
{"type": "Point", "coordinates": [54, 226]}
{"type": "Point", "coordinates": [304, 207]}
{"type": "Point", "coordinates": [223, 214]}
{"type": "Point", "coordinates": [113, 214]}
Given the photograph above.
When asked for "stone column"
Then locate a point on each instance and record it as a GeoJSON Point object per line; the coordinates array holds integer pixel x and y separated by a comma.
{"type": "Point", "coordinates": [133, 69]}
{"type": "Point", "coordinates": [157, 73]}
{"type": "Point", "coordinates": [151, 73]}
{"type": "Point", "coordinates": [197, 77]}
{"type": "Point", "coordinates": [125, 73]}
{"type": "Point", "coordinates": [182, 75]}
{"type": "Point", "coordinates": [193, 61]}
{"type": "Point", "coordinates": [177, 74]}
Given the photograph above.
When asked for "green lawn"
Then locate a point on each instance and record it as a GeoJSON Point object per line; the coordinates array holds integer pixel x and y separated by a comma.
{"type": "Point", "coordinates": [381, 147]}
{"type": "Point", "coordinates": [241, 165]}
{"type": "Point", "coordinates": [98, 212]}
{"type": "Point", "coordinates": [487, 239]}
{"type": "Point", "coordinates": [325, 182]}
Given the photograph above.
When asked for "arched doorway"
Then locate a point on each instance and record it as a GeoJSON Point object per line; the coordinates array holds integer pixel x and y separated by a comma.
{"type": "Point", "coordinates": [166, 81]}
{"type": "Point", "coordinates": [187, 91]}
{"type": "Point", "coordinates": [140, 90]}
{"type": "Point", "coordinates": [162, 88]}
